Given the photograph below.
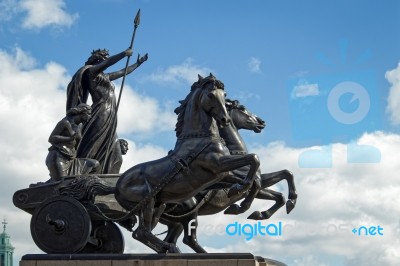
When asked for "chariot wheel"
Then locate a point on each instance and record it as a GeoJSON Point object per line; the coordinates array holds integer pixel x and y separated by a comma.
{"type": "Point", "coordinates": [106, 237]}
{"type": "Point", "coordinates": [60, 225]}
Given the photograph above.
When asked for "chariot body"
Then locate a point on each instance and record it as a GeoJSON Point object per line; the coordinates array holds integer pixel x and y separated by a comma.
{"type": "Point", "coordinates": [69, 216]}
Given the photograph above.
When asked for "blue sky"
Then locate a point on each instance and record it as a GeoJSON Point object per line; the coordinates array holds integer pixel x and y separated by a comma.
{"type": "Point", "coordinates": [324, 75]}
{"type": "Point", "coordinates": [284, 39]}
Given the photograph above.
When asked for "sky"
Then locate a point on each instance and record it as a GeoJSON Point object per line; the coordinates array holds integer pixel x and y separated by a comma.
{"type": "Point", "coordinates": [324, 75]}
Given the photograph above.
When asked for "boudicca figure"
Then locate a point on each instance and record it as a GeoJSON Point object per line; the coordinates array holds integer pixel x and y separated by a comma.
{"type": "Point", "coordinates": [99, 137]}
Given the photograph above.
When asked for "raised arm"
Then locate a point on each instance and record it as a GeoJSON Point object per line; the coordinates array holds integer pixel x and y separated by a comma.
{"type": "Point", "coordinates": [118, 74]}
{"type": "Point", "coordinates": [97, 69]}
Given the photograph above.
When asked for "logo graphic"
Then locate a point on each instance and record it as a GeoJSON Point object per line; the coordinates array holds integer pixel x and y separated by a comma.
{"type": "Point", "coordinates": [275, 230]}
{"type": "Point", "coordinates": [359, 93]}
{"type": "Point", "coordinates": [335, 107]}
{"type": "Point", "coordinates": [251, 230]}
{"type": "Point", "coordinates": [368, 231]}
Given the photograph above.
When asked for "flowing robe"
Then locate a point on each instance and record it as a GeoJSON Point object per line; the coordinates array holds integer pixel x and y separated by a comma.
{"type": "Point", "coordinates": [99, 133]}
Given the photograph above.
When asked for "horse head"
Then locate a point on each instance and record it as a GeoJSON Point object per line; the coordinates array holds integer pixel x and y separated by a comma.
{"type": "Point", "coordinates": [212, 99]}
{"type": "Point", "coordinates": [243, 118]}
{"type": "Point", "coordinates": [203, 109]}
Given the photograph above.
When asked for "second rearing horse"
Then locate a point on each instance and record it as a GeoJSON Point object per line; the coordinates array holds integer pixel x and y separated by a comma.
{"type": "Point", "coordinates": [199, 160]}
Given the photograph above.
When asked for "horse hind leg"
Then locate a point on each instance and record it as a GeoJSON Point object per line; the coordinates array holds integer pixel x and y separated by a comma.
{"type": "Point", "coordinates": [292, 197]}
{"type": "Point", "coordinates": [235, 209]}
{"type": "Point", "coordinates": [267, 194]}
{"type": "Point", "coordinates": [232, 162]}
{"type": "Point", "coordinates": [291, 203]}
{"type": "Point", "coordinates": [273, 178]}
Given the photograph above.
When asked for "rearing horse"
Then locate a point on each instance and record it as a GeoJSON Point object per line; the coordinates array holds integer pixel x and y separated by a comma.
{"type": "Point", "coordinates": [177, 217]}
{"type": "Point", "coordinates": [199, 160]}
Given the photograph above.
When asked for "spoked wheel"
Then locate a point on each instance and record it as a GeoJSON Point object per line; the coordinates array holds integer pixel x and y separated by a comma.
{"type": "Point", "coordinates": [60, 225]}
{"type": "Point", "coordinates": [106, 237]}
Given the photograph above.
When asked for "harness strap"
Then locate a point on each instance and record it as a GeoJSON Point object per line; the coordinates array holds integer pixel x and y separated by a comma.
{"type": "Point", "coordinates": [204, 200]}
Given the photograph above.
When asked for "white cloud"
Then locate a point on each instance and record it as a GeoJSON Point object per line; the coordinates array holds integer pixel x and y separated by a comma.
{"type": "Point", "coordinates": [393, 108]}
{"type": "Point", "coordinates": [304, 89]}
{"type": "Point", "coordinates": [176, 74]}
{"type": "Point", "coordinates": [31, 103]}
{"type": "Point", "coordinates": [244, 95]}
{"type": "Point", "coordinates": [43, 13]}
{"type": "Point", "coordinates": [254, 64]}
{"type": "Point", "coordinates": [143, 114]}
{"type": "Point", "coordinates": [139, 153]}
{"type": "Point", "coordinates": [38, 13]}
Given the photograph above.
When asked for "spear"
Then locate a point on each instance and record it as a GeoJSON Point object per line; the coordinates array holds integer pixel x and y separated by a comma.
{"type": "Point", "coordinates": [136, 24]}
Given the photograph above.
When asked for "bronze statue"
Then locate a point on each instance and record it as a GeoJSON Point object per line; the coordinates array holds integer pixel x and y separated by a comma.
{"type": "Point", "coordinates": [203, 175]}
{"type": "Point", "coordinates": [208, 170]}
{"type": "Point", "coordinates": [99, 137]}
{"type": "Point", "coordinates": [61, 159]}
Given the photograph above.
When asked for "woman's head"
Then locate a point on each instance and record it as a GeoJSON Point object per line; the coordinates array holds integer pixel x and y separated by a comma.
{"type": "Point", "coordinates": [97, 56]}
{"type": "Point", "coordinates": [83, 110]}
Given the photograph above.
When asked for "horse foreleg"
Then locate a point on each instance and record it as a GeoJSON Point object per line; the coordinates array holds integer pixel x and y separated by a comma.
{"type": "Point", "coordinates": [232, 162]}
{"type": "Point", "coordinates": [148, 212]}
{"type": "Point", "coordinates": [175, 229]}
{"type": "Point", "coordinates": [267, 194]}
{"type": "Point", "coordinates": [270, 179]}
{"type": "Point", "coordinates": [156, 216]}
{"type": "Point", "coordinates": [143, 232]}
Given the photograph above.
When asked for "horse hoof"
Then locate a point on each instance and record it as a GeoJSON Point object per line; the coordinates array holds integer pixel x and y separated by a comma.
{"type": "Point", "coordinates": [173, 249]}
{"type": "Point", "coordinates": [233, 209]}
{"type": "Point", "coordinates": [256, 215]}
{"type": "Point", "coordinates": [290, 205]}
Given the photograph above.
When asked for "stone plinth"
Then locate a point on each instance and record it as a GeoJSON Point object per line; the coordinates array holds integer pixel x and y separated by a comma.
{"type": "Point", "coordinates": [209, 259]}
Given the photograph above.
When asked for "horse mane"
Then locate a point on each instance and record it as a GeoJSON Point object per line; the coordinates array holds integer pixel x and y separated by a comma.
{"type": "Point", "coordinates": [180, 110]}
